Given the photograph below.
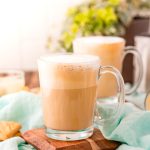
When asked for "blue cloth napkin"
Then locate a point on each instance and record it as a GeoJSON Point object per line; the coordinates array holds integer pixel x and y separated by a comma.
{"type": "Point", "coordinates": [131, 127]}
{"type": "Point", "coordinates": [24, 108]}
{"type": "Point", "coordinates": [15, 143]}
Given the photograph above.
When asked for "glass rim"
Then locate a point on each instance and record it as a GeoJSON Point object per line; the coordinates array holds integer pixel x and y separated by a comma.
{"type": "Point", "coordinates": [115, 40]}
{"type": "Point", "coordinates": [92, 59]}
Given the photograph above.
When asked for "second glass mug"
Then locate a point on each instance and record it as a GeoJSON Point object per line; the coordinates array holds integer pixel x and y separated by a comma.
{"type": "Point", "coordinates": [110, 49]}
{"type": "Point", "coordinates": [69, 85]}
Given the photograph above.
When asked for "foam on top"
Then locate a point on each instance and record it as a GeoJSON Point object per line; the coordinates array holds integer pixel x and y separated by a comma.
{"type": "Point", "coordinates": [100, 39]}
{"type": "Point", "coordinates": [72, 59]}
{"type": "Point", "coordinates": [68, 71]}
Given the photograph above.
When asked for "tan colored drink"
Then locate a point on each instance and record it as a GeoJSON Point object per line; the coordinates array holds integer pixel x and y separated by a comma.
{"type": "Point", "coordinates": [67, 117]}
{"type": "Point", "coordinates": [69, 84]}
{"type": "Point", "coordinates": [68, 87]}
{"type": "Point", "coordinates": [110, 51]}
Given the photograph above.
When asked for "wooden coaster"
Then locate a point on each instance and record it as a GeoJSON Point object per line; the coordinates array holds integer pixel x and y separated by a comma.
{"type": "Point", "coordinates": [40, 141]}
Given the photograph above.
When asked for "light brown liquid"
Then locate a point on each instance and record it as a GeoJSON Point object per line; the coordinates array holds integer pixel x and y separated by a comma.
{"type": "Point", "coordinates": [69, 109]}
{"type": "Point", "coordinates": [110, 52]}
{"type": "Point", "coordinates": [69, 95]}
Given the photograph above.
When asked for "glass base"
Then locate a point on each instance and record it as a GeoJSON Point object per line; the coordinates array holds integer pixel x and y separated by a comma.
{"type": "Point", "coordinates": [69, 135]}
{"type": "Point", "coordinates": [109, 100]}
{"type": "Point", "coordinates": [106, 109]}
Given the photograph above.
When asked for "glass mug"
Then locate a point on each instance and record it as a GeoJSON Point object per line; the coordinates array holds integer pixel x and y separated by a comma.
{"type": "Point", "coordinates": [69, 85]}
{"type": "Point", "coordinates": [11, 81]}
{"type": "Point", "coordinates": [111, 52]}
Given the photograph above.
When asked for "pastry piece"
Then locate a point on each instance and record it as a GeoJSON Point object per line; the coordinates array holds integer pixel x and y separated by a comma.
{"type": "Point", "coordinates": [25, 88]}
{"type": "Point", "coordinates": [18, 134]}
{"type": "Point", "coordinates": [8, 129]}
{"type": "Point", "coordinates": [2, 91]}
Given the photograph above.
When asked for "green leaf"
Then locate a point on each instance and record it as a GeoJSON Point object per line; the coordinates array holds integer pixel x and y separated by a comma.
{"type": "Point", "coordinates": [97, 17]}
{"type": "Point", "coordinates": [114, 2]}
{"type": "Point", "coordinates": [71, 11]}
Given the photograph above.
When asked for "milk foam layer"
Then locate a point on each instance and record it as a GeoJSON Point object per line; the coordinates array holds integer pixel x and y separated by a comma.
{"type": "Point", "coordinates": [71, 59]}
{"type": "Point", "coordinates": [68, 71]}
{"type": "Point", "coordinates": [99, 40]}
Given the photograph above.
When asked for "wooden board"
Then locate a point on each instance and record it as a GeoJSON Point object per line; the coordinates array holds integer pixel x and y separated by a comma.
{"type": "Point", "coordinates": [40, 141]}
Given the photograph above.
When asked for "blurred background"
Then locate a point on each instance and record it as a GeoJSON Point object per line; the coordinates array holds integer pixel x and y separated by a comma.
{"type": "Point", "coordinates": [24, 30]}
{"type": "Point", "coordinates": [31, 28]}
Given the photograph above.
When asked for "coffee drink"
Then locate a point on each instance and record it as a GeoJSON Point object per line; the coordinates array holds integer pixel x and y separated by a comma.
{"type": "Point", "coordinates": [110, 51]}
{"type": "Point", "coordinates": [68, 84]}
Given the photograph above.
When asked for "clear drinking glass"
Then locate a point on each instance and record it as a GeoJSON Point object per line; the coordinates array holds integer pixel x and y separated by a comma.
{"type": "Point", "coordinates": [69, 87]}
{"type": "Point", "coordinates": [11, 81]}
{"type": "Point", "coordinates": [111, 50]}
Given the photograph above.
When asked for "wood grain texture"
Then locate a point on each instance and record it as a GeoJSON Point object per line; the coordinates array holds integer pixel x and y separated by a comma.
{"type": "Point", "coordinates": [40, 141]}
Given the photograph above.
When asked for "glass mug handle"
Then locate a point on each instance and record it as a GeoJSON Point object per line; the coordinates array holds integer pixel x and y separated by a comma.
{"type": "Point", "coordinates": [121, 96]}
{"type": "Point", "coordinates": [133, 50]}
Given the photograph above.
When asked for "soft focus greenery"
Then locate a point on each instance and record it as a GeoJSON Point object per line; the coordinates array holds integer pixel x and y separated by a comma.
{"type": "Point", "coordinates": [98, 17]}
